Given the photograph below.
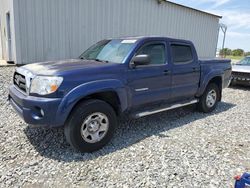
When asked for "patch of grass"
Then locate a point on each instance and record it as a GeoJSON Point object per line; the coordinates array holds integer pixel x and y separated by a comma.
{"type": "Point", "coordinates": [235, 57]}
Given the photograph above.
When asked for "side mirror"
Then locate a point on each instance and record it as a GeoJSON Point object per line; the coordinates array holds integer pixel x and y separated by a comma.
{"type": "Point", "coordinates": [141, 60]}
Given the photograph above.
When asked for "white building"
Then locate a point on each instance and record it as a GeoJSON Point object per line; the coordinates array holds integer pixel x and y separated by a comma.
{"type": "Point", "coordinates": [41, 30]}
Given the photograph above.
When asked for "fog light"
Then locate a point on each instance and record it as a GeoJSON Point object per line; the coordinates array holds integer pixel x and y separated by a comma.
{"type": "Point", "coordinates": [38, 113]}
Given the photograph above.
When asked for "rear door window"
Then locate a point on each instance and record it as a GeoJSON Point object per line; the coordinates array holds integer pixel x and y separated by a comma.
{"type": "Point", "coordinates": [181, 53]}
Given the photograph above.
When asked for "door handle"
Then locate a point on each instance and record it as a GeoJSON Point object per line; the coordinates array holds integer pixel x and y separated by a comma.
{"type": "Point", "coordinates": [195, 69]}
{"type": "Point", "coordinates": [166, 72]}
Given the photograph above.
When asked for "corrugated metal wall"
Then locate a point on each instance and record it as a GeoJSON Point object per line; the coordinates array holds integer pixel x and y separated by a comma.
{"type": "Point", "coordinates": [59, 29]}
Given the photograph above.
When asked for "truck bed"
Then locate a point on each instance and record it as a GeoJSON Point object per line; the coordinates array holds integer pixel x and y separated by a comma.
{"type": "Point", "coordinates": [216, 66]}
{"type": "Point", "coordinates": [215, 60]}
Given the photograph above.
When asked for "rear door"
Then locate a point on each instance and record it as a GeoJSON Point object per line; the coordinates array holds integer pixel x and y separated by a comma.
{"type": "Point", "coordinates": [185, 71]}
{"type": "Point", "coordinates": [151, 84]}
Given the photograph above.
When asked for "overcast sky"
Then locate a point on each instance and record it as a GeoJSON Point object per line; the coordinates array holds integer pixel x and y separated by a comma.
{"type": "Point", "coordinates": [236, 15]}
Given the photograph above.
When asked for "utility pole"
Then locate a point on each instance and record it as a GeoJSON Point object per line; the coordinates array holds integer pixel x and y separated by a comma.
{"type": "Point", "coordinates": [223, 27]}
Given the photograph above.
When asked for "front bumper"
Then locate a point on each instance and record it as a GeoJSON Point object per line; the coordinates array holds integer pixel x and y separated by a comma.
{"type": "Point", "coordinates": [35, 110]}
{"type": "Point", "coordinates": [240, 81]}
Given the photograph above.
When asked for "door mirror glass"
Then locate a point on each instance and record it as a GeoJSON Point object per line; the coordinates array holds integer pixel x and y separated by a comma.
{"type": "Point", "coordinates": [142, 59]}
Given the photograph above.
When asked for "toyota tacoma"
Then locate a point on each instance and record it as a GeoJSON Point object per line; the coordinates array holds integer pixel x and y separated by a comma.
{"type": "Point", "coordinates": [136, 76]}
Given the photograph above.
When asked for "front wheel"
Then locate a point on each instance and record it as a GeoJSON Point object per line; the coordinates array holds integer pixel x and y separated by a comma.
{"type": "Point", "coordinates": [209, 100]}
{"type": "Point", "coordinates": [90, 126]}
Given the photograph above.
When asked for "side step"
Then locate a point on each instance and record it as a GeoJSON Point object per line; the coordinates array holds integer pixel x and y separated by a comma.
{"type": "Point", "coordinates": [162, 109]}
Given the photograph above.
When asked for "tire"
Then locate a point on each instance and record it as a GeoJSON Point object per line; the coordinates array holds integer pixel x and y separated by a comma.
{"type": "Point", "coordinates": [206, 104]}
{"type": "Point", "coordinates": [90, 126]}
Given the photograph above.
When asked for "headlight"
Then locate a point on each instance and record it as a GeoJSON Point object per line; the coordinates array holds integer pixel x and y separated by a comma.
{"type": "Point", "coordinates": [44, 85]}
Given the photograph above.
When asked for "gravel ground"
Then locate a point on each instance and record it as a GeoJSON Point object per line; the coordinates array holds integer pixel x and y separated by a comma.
{"type": "Point", "coordinates": [179, 148]}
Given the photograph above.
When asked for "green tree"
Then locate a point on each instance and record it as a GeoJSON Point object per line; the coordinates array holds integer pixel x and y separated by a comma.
{"type": "Point", "coordinates": [238, 52]}
{"type": "Point", "coordinates": [225, 51]}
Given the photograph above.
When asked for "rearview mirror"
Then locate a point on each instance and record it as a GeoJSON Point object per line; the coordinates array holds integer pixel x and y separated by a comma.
{"type": "Point", "coordinates": [141, 60]}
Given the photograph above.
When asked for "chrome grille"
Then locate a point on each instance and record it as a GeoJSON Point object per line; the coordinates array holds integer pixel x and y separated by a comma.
{"type": "Point", "coordinates": [20, 81]}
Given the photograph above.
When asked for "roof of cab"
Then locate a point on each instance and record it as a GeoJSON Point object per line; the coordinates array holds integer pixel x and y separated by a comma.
{"type": "Point", "coordinates": [150, 37]}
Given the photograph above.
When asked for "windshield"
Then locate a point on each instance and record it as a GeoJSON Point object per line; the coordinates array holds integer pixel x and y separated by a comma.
{"type": "Point", "coordinates": [245, 61]}
{"type": "Point", "coordinates": [109, 50]}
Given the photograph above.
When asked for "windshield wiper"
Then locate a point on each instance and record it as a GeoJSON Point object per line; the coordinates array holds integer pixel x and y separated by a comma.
{"type": "Point", "coordinates": [99, 60]}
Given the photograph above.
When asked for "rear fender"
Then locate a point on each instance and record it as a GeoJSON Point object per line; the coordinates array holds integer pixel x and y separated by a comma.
{"type": "Point", "coordinates": [206, 79]}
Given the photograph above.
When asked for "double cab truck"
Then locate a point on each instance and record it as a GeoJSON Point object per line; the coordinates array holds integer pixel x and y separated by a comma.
{"type": "Point", "coordinates": [136, 76]}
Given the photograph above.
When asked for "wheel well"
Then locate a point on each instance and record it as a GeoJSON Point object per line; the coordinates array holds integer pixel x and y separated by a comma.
{"type": "Point", "coordinates": [218, 81]}
{"type": "Point", "coordinates": [109, 97]}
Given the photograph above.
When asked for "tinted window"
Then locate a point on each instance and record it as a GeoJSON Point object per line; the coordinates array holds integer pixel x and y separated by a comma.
{"type": "Point", "coordinates": [181, 53]}
{"type": "Point", "coordinates": [109, 50]}
{"type": "Point", "coordinates": [156, 53]}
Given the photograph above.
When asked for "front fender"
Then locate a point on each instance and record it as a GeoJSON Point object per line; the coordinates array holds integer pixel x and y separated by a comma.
{"type": "Point", "coordinates": [83, 90]}
{"type": "Point", "coordinates": [207, 78]}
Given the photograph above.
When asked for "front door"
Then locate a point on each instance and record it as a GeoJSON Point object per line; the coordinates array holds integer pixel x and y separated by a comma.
{"type": "Point", "coordinates": [151, 84]}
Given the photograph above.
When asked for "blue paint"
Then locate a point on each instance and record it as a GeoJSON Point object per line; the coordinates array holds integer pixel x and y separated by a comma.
{"type": "Point", "coordinates": [243, 181]}
{"type": "Point", "coordinates": [167, 83]}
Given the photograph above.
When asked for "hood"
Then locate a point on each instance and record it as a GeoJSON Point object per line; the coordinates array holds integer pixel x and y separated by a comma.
{"type": "Point", "coordinates": [241, 68]}
{"type": "Point", "coordinates": [58, 67]}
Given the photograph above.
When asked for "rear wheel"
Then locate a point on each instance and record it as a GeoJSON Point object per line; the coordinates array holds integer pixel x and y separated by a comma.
{"type": "Point", "coordinates": [209, 100]}
{"type": "Point", "coordinates": [90, 126]}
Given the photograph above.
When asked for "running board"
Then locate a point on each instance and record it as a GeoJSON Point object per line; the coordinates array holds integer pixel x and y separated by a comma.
{"type": "Point", "coordinates": [154, 111]}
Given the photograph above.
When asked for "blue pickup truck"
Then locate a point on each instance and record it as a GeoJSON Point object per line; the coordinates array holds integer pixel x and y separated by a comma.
{"type": "Point", "coordinates": [136, 76]}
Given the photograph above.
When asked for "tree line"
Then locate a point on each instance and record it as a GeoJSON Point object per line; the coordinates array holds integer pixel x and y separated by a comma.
{"type": "Point", "coordinates": [236, 52]}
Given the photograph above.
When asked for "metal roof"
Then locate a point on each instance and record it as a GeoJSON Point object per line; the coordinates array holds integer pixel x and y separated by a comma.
{"type": "Point", "coordinates": [184, 6]}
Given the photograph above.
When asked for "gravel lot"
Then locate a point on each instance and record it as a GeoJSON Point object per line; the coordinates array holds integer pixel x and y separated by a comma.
{"type": "Point", "coordinates": [179, 148]}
